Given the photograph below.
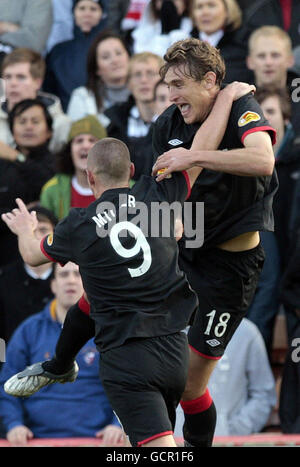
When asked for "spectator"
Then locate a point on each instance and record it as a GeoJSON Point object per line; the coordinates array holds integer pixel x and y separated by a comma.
{"type": "Point", "coordinates": [124, 16]}
{"type": "Point", "coordinates": [282, 13]}
{"type": "Point", "coordinates": [270, 57]}
{"type": "Point", "coordinates": [276, 106]}
{"type": "Point", "coordinates": [289, 403]}
{"type": "Point", "coordinates": [23, 71]}
{"type": "Point", "coordinates": [161, 97]}
{"type": "Point", "coordinates": [24, 174]}
{"type": "Point", "coordinates": [62, 27]}
{"type": "Point", "coordinates": [25, 23]}
{"type": "Point", "coordinates": [242, 385]}
{"type": "Point", "coordinates": [131, 121]}
{"type": "Point", "coordinates": [132, 18]}
{"type": "Point", "coordinates": [117, 10]}
{"type": "Point", "coordinates": [162, 23]}
{"type": "Point", "coordinates": [30, 285]}
{"type": "Point", "coordinates": [218, 22]}
{"type": "Point", "coordinates": [66, 68]}
{"type": "Point", "coordinates": [289, 293]}
{"type": "Point", "coordinates": [76, 410]}
{"type": "Point", "coordinates": [69, 187]}
{"type": "Point", "coordinates": [107, 71]}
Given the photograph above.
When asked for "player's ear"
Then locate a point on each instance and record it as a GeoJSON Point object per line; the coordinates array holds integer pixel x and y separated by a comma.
{"type": "Point", "coordinates": [132, 170]}
{"type": "Point", "coordinates": [210, 79]}
{"type": "Point", "coordinates": [90, 177]}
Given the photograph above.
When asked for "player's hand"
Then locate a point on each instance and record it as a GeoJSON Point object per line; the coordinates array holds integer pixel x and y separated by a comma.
{"type": "Point", "coordinates": [20, 219]}
{"type": "Point", "coordinates": [19, 435]}
{"type": "Point", "coordinates": [178, 230]}
{"type": "Point", "coordinates": [174, 160]}
{"type": "Point", "coordinates": [238, 89]}
{"type": "Point", "coordinates": [111, 435]}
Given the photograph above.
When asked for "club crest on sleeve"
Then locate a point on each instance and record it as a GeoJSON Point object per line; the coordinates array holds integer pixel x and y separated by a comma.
{"type": "Point", "coordinates": [50, 239]}
{"type": "Point", "coordinates": [248, 117]}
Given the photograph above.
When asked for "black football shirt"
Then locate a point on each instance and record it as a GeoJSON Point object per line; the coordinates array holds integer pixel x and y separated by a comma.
{"type": "Point", "coordinates": [232, 204]}
{"type": "Point", "coordinates": [128, 260]}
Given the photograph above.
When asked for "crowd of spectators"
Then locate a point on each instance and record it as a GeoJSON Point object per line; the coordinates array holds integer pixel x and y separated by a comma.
{"type": "Point", "coordinates": [75, 71]}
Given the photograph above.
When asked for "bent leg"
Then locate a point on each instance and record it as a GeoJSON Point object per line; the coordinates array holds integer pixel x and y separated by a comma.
{"type": "Point", "coordinates": [197, 404]}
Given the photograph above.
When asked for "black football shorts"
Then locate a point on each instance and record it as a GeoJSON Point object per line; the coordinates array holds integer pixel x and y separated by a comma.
{"type": "Point", "coordinates": [144, 380]}
{"type": "Point", "coordinates": [225, 283]}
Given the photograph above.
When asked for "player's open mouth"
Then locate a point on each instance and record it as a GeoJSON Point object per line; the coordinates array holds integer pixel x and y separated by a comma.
{"type": "Point", "coordinates": [184, 109]}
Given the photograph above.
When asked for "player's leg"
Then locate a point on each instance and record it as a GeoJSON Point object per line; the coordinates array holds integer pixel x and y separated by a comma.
{"type": "Point", "coordinates": [225, 283]}
{"type": "Point", "coordinates": [144, 381]}
{"type": "Point", "coordinates": [162, 442]}
{"type": "Point", "coordinates": [78, 328]}
{"type": "Point", "coordinates": [197, 404]}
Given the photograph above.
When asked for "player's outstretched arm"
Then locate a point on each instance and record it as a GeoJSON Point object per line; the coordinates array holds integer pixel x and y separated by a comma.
{"type": "Point", "coordinates": [23, 224]}
{"type": "Point", "coordinates": [207, 138]}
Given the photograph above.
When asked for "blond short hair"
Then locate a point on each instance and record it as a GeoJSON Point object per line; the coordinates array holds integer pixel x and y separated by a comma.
{"type": "Point", "coordinates": [270, 31]}
{"type": "Point", "coordinates": [144, 57]}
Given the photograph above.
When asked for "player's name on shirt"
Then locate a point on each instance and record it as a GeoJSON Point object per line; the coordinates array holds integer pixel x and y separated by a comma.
{"type": "Point", "coordinates": [155, 219]}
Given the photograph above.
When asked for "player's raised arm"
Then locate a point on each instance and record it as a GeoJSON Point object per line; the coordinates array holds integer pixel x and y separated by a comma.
{"type": "Point", "coordinates": [23, 224]}
{"type": "Point", "coordinates": [207, 138]}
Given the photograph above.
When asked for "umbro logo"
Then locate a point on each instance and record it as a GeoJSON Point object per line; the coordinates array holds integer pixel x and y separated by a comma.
{"type": "Point", "coordinates": [175, 142]}
{"type": "Point", "coordinates": [213, 342]}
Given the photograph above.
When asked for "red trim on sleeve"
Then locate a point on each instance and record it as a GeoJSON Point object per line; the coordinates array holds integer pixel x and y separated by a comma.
{"type": "Point", "coordinates": [187, 179]}
{"type": "Point", "coordinates": [198, 405]}
{"type": "Point", "coordinates": [261, 128]}
{"type": "Point", "coordinates": [44, 251]}
{"type": "Point", "coordinates": [203, 355]}
{"type": "Point", "coordinates": [84, 306]}
{"type": "Point", "coordinates": [159, 435]}
{"type": "Point", "coordinates": [46, 254]}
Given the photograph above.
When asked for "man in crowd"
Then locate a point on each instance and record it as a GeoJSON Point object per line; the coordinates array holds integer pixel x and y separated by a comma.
{"type": "Point", "coordinates": [23, 72]}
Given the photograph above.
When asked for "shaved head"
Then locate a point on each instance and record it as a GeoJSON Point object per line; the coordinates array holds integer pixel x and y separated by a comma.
{"type": "Point", "coordinates": [109, 161]}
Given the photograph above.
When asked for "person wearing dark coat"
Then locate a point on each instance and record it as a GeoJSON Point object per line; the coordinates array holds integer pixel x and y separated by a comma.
{"type": "Point", "coordinates": [31, 126]}
{"type": "Point", "coordinates": [275, 103]}
{"type": "Point", "coordinates": [131, 122]}
{"type": "Point", "coordinates": [282, 13]}
{"type": "Point", "coordinates": [30, 285]}
{"type": "Point", "coordinates": [66, 62]}
{"type": "Point", "coordinates": [289, 402]}
{"type": "Point", "coordinates": [140, 147]}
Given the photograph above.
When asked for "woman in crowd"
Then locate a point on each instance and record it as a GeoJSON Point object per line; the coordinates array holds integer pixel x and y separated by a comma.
{"type": "Point", "coordinates": [66, 68]}
{"type": "Point", "coordinates": [107, 72]}
{"type": "Point", "coordinates": [69, 187]}
{"type": "Point", "coordinates": [219, 23]}
{"type": "Point", "coordinates": [24, 176]}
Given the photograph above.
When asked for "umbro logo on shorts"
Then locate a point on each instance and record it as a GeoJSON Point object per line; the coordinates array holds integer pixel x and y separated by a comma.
{"type": "Point", "coordinates": [213, 342]}
{"type": "Point", "coordinates": [175, 142]}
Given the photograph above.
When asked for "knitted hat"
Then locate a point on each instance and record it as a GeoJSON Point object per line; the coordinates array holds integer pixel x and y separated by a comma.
{"type": "Point", "coordinates": [89, 125]}
{"type": "Point", "coordinates": [99, 2]}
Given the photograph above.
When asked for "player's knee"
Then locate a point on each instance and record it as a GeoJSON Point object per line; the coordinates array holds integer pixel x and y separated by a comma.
{"type": "Point", "coordinates": [200, 369]}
